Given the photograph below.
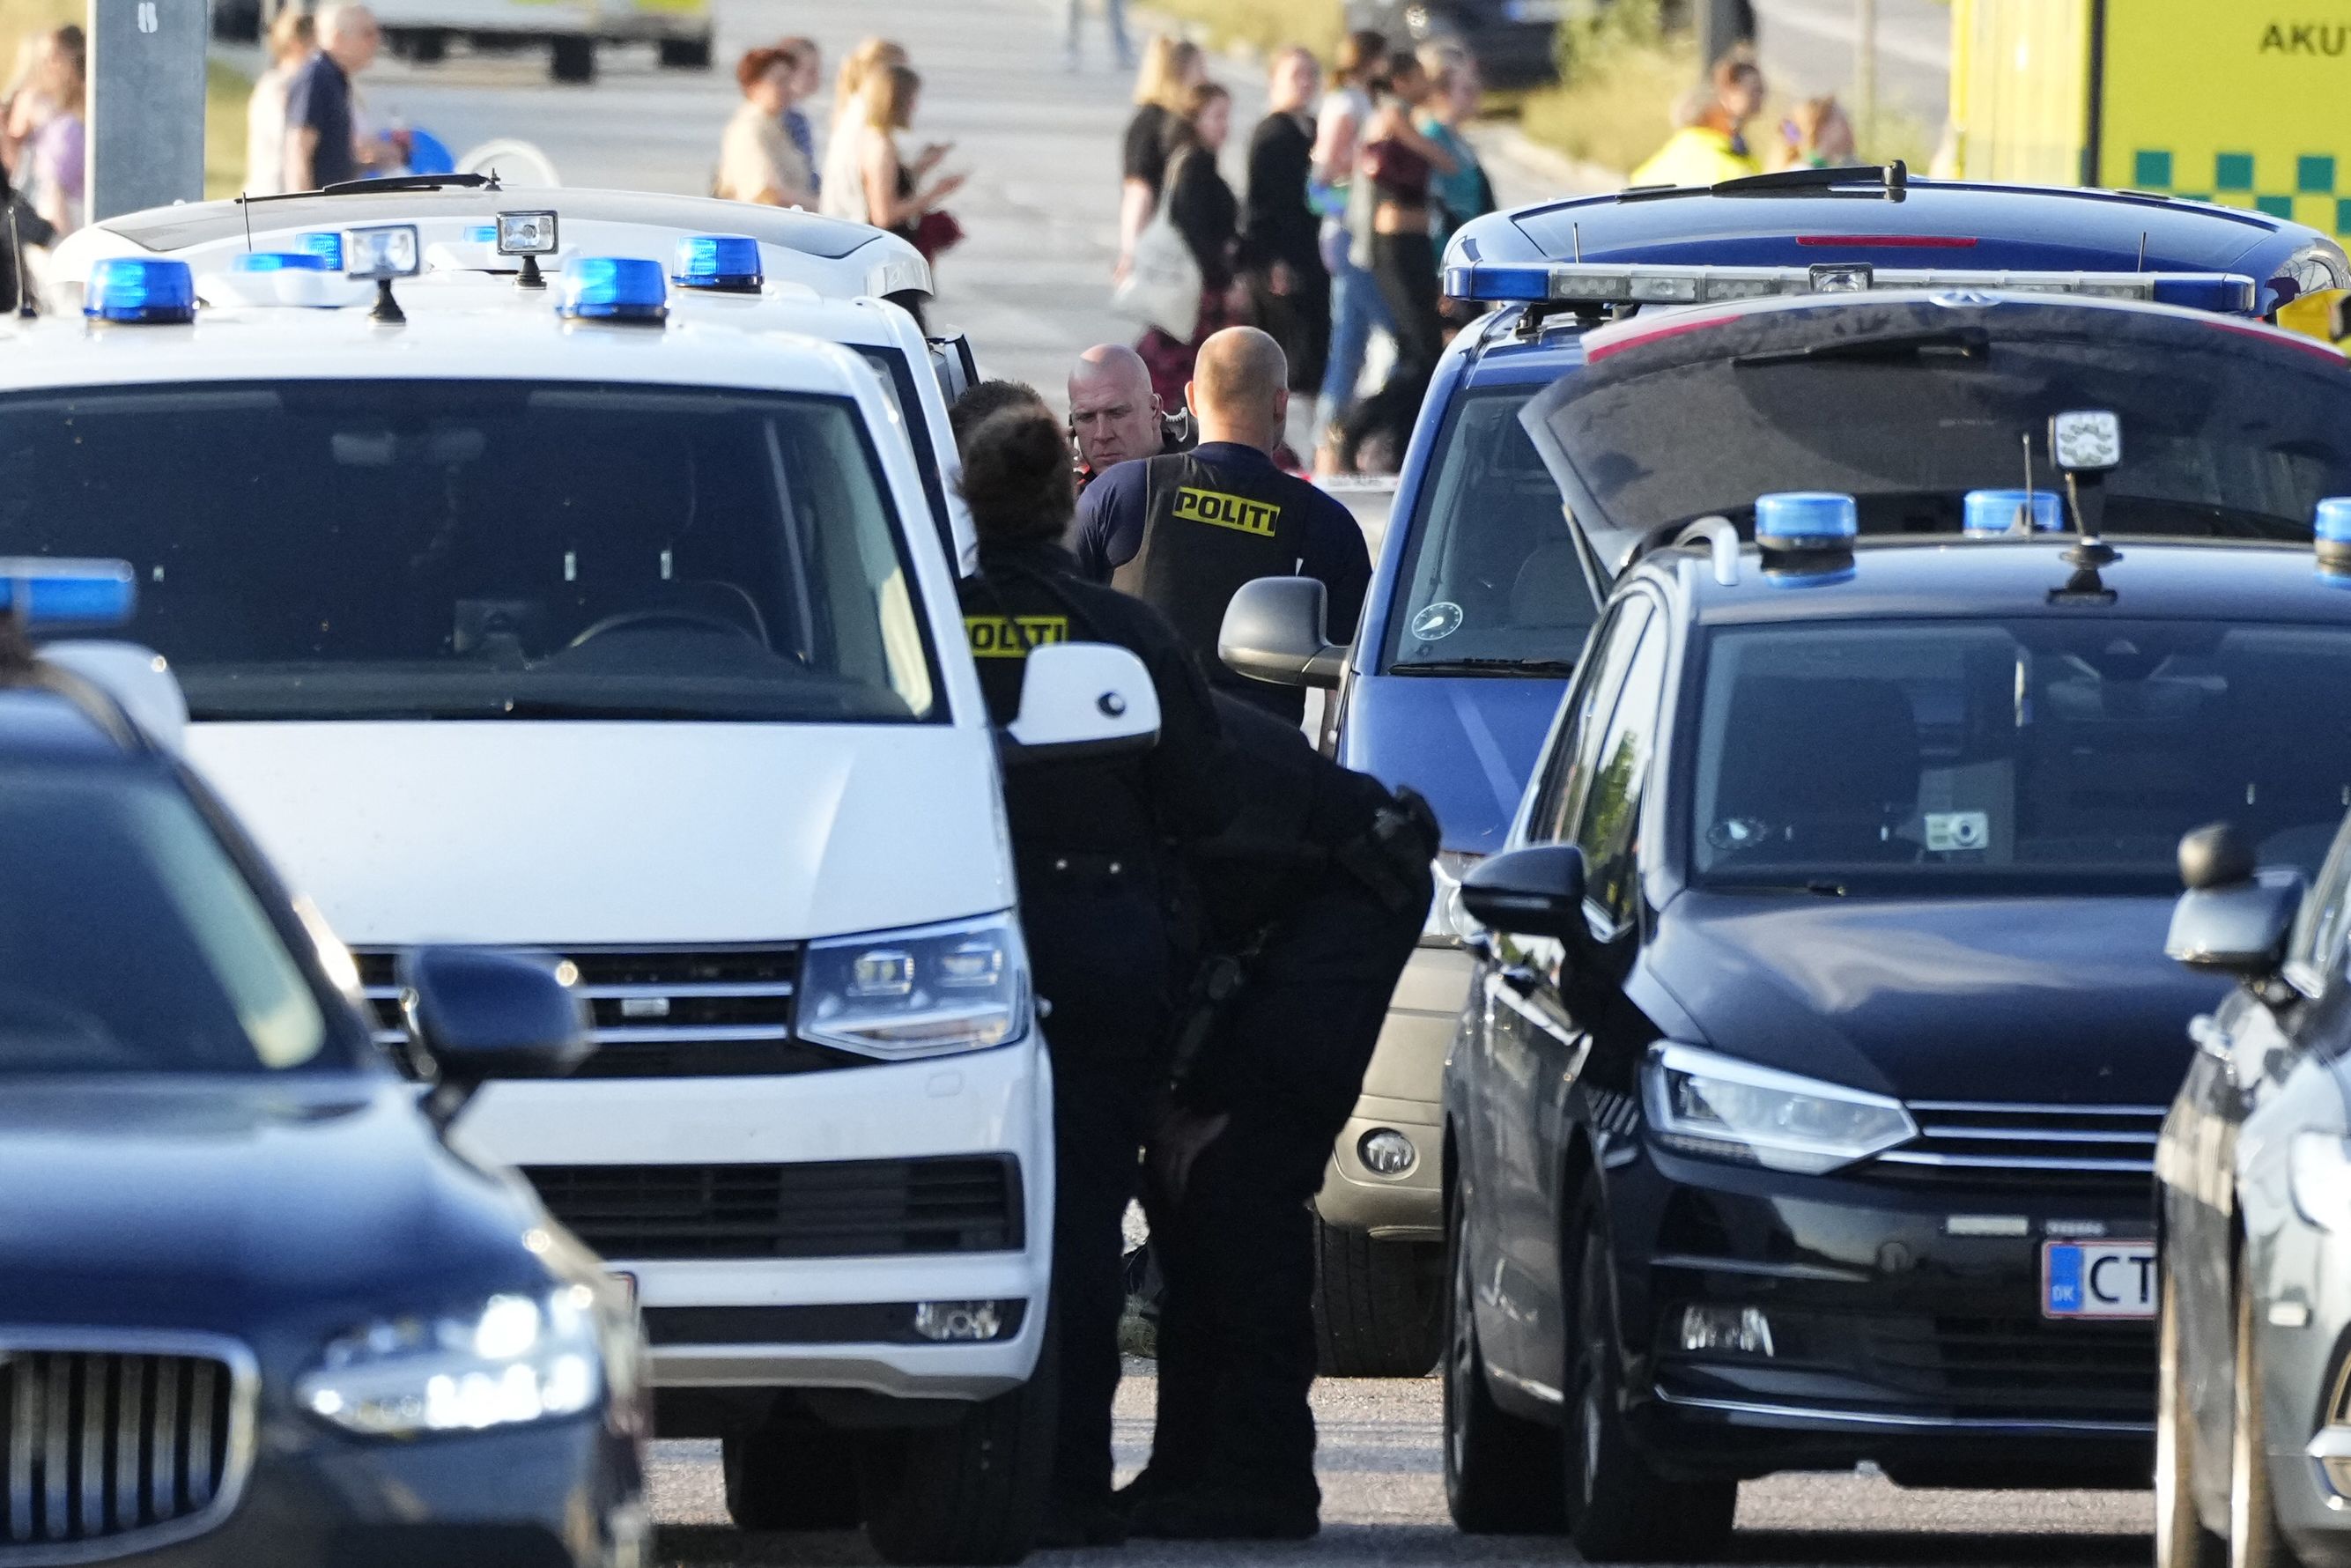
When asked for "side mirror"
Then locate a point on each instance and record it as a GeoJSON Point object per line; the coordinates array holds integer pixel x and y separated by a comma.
{"type": "Point", "coordinates": [482, 1015]}
{"type": "Point", "coordinates": [1082, 702]}
{"type": "Point", "coordinates": [1533, 892]}
{"type": "Point", "coordinates": [2233, 918]}
{"type": "Point", "coordinates": [1275, 630]}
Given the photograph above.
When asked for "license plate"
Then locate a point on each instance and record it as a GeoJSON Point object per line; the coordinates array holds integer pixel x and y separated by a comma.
{"type": "Point", "coordinates": [2097, 1279]}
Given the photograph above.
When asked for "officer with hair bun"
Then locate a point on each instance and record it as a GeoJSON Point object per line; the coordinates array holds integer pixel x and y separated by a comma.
{"type": "Point", "coordinates": [1105, 902]}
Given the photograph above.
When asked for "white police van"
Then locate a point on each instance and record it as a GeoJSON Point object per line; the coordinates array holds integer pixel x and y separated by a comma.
{"type": "Point", "coordinates": [839, 281]}
{"type": "Point", "coordinates": [578, 629]}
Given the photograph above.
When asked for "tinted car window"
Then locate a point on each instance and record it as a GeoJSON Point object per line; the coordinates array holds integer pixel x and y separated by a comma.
{"type": "Point", "coordinates": [1609, 830]}
{"type": "Point", "coordinates": [2026, 754]}
{"type": "Point", "coordinates": [1595, 698]}
{"type": "Point", "coordinates": [480, 549]}
{"type": "Point", "coordinates": [129, 943]}
{"type": "Point", "coordinates": [1490, 573]}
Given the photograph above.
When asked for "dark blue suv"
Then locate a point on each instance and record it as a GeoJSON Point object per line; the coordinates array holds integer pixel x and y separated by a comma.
{"type": "Point", "coordinates": [1477, 609]}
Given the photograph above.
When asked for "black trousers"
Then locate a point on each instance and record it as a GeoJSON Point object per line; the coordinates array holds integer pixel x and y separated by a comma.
{"type": "Point", "coordinates": [1299, 320]}
{"type": "Point", "coordinates": [1404, 267]}
{"type": "Point", "coordinates": [1237, 1325]}
{"type": "Point", "coordinates": [1105, 958]}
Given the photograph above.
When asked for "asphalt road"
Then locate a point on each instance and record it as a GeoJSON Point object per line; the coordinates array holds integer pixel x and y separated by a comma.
{"type": "Point", "coordinates": [1384, 1504]}
{"type": "Point", "coordinates": [1031, 287]}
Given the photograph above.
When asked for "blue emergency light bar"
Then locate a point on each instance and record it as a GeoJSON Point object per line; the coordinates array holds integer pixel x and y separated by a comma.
{"type": "Point", "coordinates": [1806, 520]}
{"type": "Point", "coordinates": [613, 289]}
{"type": "Point", "coordinates": [721, 263]}
{"type": "Point", "coordinates": [2330, 528]}
{"type": "Point", "coordinates": [325, 243]}
{"type": "Point", "coordinates": [42, 594]}
{"type": "Point", "coordinates": [146, 291]}
{"type": "Point", "coordinates": [1992, 512]}
{"type": "Point", "coordinates": [281, 261]}
{"type": "Point", "coordinates": [1602, 283]}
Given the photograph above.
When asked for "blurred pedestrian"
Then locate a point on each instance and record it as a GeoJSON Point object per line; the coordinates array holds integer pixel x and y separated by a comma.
{"type": "Point", "coordinates": [1399, 164]}
{"type": "Point", "coordinates": [58, 154]}
{"type": "Point", "coordinates": [893, 195]}
{"type": "Point", "coordinates": [323, 141]}
{"type": "Point", "coordinates": [1113, 23]}
{"type": "Point", "coordinates": [1184, 531]}
{"type": "Point", "coordinates": [1172, 69]}
{"type": "Point", "coordinates": [26, 102]}
{"type": "Point", "coordinates": [1103, 902]}
{"type": "Point", "coordinates": [1204, 210]}
{"type": "Point", "coordinates": [1279, 253]}
{"type": "Point", "coordinates": [293, 38]}
{"type": "Point", "coordinates": [1357, 308]}
{"type": "Point", "coordinates": [1457, 92]}
{"type": "Point", "coordinates": [806, 84]}
{"type": "Point", "coordinates": [1815, 135]}
{"type": "Point", "coordinates": [756, 160]}
{"type": "Point", "coordinates": [841, 184]}
{"type": "Point", "coordinates": [1711, 145]}
{"type": "Point", "coordinates": [1114, 416]}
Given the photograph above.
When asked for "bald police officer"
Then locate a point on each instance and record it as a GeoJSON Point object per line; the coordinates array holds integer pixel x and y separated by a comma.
{"type": "Point", "coordinates": [1183, 532]}
{"type": "Point", "coordinates": [1105, 902]}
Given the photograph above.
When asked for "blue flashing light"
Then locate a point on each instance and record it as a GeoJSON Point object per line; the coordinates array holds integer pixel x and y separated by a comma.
{"type": "Point", "coordinates": [1990, 512]}
{"type": "Point", "coordinates": [613, 289]}
{"type": "Point", "coordinates": [1806, 520]}
{"type": "Point", "coordinates": [325, 243]}
{"type": "Point", "coordinates": [278, 261]}
{"type": "Point", "coordinates": [726, 262]}
{"type": "Point", "coordinates": [482, 234]}
{"type": "Point", "coordinates": [2224, 294]}
{"type": "Point", "coordinates": [150, 289]}
{"type": "Point", "coordinates": [1498, 283]}
{"type": "Point", "coordinates": [2331, 522]}
{"type": "Point", "coordinates": [46, 593]}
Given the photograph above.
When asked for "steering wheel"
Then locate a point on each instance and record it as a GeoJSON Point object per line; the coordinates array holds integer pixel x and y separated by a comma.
{"type": "Point", "coordinates": [703, 619]}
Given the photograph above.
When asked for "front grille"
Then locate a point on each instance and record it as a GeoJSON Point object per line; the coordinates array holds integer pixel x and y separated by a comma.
{"type": "Point", "coordinates": [107, 1452]}
{"type": "Point", "coordinates": [688, 1012]}
{"type": "Point", "coordinates": [2017, 1367]}
{"type": "Point", "coordinates": [843, 1209]}
{"type": "Point", "coordinates": [2066, 1148]}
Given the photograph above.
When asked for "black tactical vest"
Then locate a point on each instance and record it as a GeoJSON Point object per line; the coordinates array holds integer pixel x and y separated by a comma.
{"type": "Point", "coordinates": [1206, 532]}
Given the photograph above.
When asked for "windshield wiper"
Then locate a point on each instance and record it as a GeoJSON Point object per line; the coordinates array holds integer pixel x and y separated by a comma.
{"type": "Point", "coordinates": [1969, 342]}
{"type": "Point", "coordinates": [386, 185]}
{"type": "Point", "coordinates": [1484, 667]}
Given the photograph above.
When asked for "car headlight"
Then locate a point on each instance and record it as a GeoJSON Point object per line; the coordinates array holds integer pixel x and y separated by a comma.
{"type": "Point", "coordinates": [515, 1358]}
{"type": "Point", "coordinates": [2318, 1169]}
{"type": "Point", "coordinates": [1722, 1108]}
{"type": "Point", "coordinates": [1449, 923]}
{"type": "Point", "coordinates": [907, 993]}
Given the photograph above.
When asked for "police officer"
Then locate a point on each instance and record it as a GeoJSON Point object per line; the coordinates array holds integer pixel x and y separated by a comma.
{"type": "Point", "coordinates": [1183, 532]}
{"type": "Point", "coordinates": [1103, 901]}
{"type": "Point", "coordinates": [1319, 889]}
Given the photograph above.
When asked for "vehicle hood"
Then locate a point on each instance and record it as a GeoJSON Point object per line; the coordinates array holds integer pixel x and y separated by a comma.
{"type": "Point", "coordinates": [214, 1202]}
{"type": "Point", "coordinates": [2056, 1000]}
{"type": "Point", "coordinates": [618, 834]}
{"type": "Point", "coordinates": [1468, 743]}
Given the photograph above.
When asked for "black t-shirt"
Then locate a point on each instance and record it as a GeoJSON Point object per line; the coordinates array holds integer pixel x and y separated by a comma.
{"type": "Point", "coordinates": [319, 98]}
{"type": "Point", "coordinates": [1278, 225]}
{"type": "Point", "coordinates": [1144, 154]}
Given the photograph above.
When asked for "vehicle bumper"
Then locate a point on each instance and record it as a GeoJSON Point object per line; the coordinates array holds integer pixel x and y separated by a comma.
{"type": "Point", "coordinates": [751, 1323]}
{"type": "Point", "coordinates": [566, 1495]}
{"type": "Point", "coordinates": [1894, 1340]}
{"type": "Point", "coordinates": [2302, 1338]}
{"type": "Point", "coordinates": [1403, 1090]}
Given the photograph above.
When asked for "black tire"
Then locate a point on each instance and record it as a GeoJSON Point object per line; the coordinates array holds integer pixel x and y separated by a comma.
{"type": "Point", "coordinates": [2180, 1539]}
{"type": "Point", "coordinates": [2254, 1539]}
{"type": "Point", "coordinates": [1619, 1508]}
{"type": "Point", "coordinates": [1379, 1306]}
{"type": "Point", "coordinates": [800, 1480]}
{"type": "Point", "coordinates": [572, 60]}
{"type": "Point", "coordinates": [685, 54]}
{"type": "Point", "coordinates": [1503, 1472]}
{"type": "Point", "coordinates": [971, 1493]}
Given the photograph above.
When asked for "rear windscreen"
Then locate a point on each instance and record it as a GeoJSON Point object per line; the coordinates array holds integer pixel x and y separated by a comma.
{"type": "Point", "coordinates": [2215, 444]}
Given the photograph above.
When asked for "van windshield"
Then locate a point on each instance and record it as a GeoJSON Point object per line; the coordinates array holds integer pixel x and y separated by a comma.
{"type": "Point", "coordinates": [378, 549]}
{"type": "Point", "coordinates": [2038, 754]}
{"type": "Point", "coordinates": [1490, 580]}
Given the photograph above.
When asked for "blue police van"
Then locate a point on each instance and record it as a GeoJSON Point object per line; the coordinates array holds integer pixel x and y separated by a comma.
{"type": "Point", "coordinates": [1478, 608]}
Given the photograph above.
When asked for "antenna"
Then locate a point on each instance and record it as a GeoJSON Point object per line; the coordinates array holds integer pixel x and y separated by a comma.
{"type": "Point", "coordinates": [2023, 524]}
{"type": "Point", "coordinates": [244, 210]}
{"type": "Point", "coordinates": [1575, 233]}
{"type": "Point", "coordinates": [2142, 252]}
